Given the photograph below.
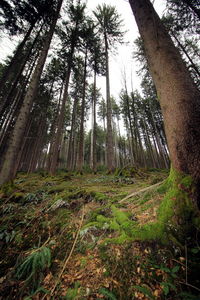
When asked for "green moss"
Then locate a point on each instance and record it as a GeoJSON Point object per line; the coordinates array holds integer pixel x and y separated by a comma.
{"type": "Point", "coordinates": [147, 196]}
{"type": "Point", "coordinates": [102, 219]}
{"type": "Point", "coordinates": [17, 196]}
{"type": "Point", "coordinates": [175, 213]}
{"type": "Point", "coordinates": [119, 215]}
{"type": "Point", "coordinates": [121, 239]}
{"type": "Point", "coordinates": [92, 224]}
{"type": "Point", "coordinates": [114, 225]}
{"type": "Point", "coordinates": [119, 222]}
{"type": "Point", "coordinates": [8, 188]}
{"type": "Point", "coordinates": [100, 196]}
{"type": "Point", "coordinates": [58, 188]}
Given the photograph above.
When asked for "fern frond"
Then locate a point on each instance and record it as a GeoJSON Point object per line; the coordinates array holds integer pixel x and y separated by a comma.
{"type": "Point", "coordinates": [36, 262]}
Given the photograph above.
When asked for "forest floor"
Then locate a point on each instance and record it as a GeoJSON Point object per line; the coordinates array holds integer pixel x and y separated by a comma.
{"type": "Point", "coordinates": [70, 237]}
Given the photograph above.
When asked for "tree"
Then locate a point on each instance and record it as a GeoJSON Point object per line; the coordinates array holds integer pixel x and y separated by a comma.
{"type": "Point", "coordinates": [110, 27]}
{"type": "Point", "coordinates": [180, 103]}
{"type": "Point", "coordinates": [8, 169]}
{"type": "Point", "coordinates": [20, 17]}
{"type": "Point", "coordinates": [70, 36]}
{"type": "Point", "coordinates": [88, 37]}
{"type": "Point", "coordinates": [186, 12]}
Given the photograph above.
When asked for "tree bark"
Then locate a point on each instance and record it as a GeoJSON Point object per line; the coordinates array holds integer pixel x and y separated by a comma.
{"type": "Point", "coordinates": [93, 152]}
{"type": "Point", "coordinates": [81, 134]}
{"type": "Point", "coordinates": [7, 172]}
{"type": "Point", "coordinates": [179, 98]}
{"type": "Point", "coordinates": [15, 60]}
{"type": "Point", "coordinates": [109, 137]}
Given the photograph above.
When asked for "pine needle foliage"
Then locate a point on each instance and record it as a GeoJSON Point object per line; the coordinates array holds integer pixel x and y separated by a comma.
{"type": "Point", "coordinates": [33, 265]}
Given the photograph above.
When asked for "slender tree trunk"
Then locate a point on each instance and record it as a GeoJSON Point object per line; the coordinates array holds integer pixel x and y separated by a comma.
{"type": "Point", "coordinates": [61, 117]}
{"type": "Point", "coordinates": [53, 131]}
{"type": "Point", "coordinates": [116, 145]}
{"type": "Point", "coordinates": [109, 137]}
{"type": "Point", "coordinates": [195, 68]}
{"type": "Point", "coordinates": [130, 122]}
{"type": "Point", "coordinates": [92, 136]}
{"type": "Point", "coordinates": [16, 69]}
{"type": "Point", "coordinates": [7, 173]}
{"type": "Point", "coordinates": [10, 114]}
{"type": "Point", "coordinates": [93, 158]}
{"type": "Point", "coordinates": [8, 74]}
{"type": "Point", "coordinates": [71, 136]}
{"type": "Point", "coordinates": [81, 134]}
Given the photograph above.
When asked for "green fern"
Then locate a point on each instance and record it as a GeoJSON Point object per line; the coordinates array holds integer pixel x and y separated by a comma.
{"type": "Point", "coordinates": [109, 295]}
{"type": "Point", "coordinates": [31, 268]}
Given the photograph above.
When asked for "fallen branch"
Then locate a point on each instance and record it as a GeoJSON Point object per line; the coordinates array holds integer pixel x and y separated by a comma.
{"type": "Point", "coordinates": [141, 191]}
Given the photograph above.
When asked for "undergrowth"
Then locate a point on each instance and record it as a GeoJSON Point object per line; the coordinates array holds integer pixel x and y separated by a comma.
{"type": "Point", "coordinates": [117, 254]}
{"type": "Point", "coordinates": [32, 267]}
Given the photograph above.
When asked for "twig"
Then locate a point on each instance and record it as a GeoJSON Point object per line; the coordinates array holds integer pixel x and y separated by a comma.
{"type": "Point", "coordinates": [141, 191]}
{"type": "Point", "coordinates": [67, 257]}
{"type": "Point", "coordinates": [35, 250]}
{"type": "Point", "coordinates": [178, 262]}
{"type": "Point", "coordinates": [186, 265]}
{"type": "Point", "coordinates": [194, 287]}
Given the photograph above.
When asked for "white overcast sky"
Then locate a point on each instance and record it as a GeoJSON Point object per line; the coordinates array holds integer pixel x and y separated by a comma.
{"type": "Point", "coordinates": [119, 62]}
{"type": "Point", "coordinates": [123, 60]}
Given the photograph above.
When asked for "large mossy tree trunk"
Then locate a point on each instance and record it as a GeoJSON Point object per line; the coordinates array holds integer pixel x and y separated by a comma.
{"type": "Point", "coordinates": [180, 104]}
{"type": "Point", "coordinates": [178, 96]}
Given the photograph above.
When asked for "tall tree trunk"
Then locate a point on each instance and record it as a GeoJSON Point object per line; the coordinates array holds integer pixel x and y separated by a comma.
{"type": "Point", "coordinates": [53, 131]}
{"type": "Point", "coordinates": [61, 117]}
{"type": "Point", "coordinates": [109, 137]}
{"type": "Point", "coordinates": [93, 152]}
{"type": "Point", "coordinates": [7, 173]}
{"type": "Point", "coordinates": [179, 98]}
{"type": "Point", "coordinates": [16, 69]}
{"type": "Point", "coordinates": [81, 134]}
{"type": "Point", "coordinates": [15, 60]}
{"type": "Point", "coordinates": [71, 136]}
{"type": "Point", "coordinates": [195, 68]}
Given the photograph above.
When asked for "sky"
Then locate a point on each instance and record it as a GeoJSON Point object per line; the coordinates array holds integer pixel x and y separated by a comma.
{"type": "Point", "coordinates": [123, 61]}
{"type": "Point", "coordinates": [120, 62]}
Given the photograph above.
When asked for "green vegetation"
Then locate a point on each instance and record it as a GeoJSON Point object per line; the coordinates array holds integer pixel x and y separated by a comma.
{"type": "Point", "coordinates": [129, 244]}
{"type": "Point", "coordinates": [31, 269]}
